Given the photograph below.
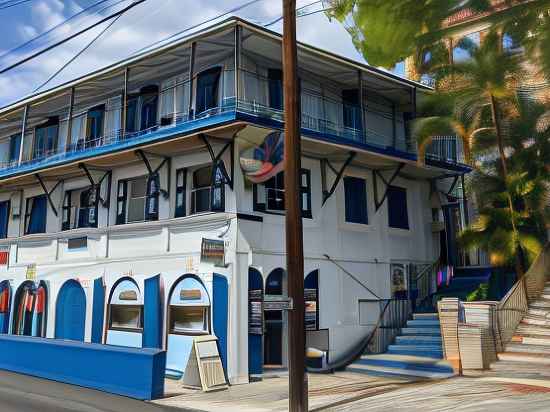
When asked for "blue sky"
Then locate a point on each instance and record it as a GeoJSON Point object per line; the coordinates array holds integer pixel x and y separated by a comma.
{"type": "Point", "coordinates": [146, 23]}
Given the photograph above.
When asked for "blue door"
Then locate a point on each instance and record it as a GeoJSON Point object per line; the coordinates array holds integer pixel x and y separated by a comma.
{"type": "Point", "coordinates": [70, 313]}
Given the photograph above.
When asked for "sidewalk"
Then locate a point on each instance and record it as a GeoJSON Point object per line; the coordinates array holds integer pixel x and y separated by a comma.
{"type": "Point", "coordinates": [325, 392]}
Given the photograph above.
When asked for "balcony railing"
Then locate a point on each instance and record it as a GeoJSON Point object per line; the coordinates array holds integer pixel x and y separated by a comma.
{"type": "Point", "coordinates": [325, 115]}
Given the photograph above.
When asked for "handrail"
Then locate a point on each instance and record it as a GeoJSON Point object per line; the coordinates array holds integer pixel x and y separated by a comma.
{"type": "Point", "coordinates": [353, 277]}
{"type": "Point", "coordinates": [354, 353]}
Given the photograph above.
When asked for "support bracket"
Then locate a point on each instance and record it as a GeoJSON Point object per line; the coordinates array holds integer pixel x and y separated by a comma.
{"type": "Point", "coordinates": [216, 158]}
{"type": "Point", "coordinates": [377, 175]}
{"type": "Point", "coordinates": [107, 174]}
{"type": "Point", "coordinates": [165, 161]}
{"type": "Point", "coordinates": [47, 192]}
{"type": "Point", "coordinates": [339, 173]}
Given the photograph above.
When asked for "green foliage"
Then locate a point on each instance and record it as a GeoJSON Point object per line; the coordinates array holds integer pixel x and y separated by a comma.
{"type": "Point", "coordinates": [481, 293]}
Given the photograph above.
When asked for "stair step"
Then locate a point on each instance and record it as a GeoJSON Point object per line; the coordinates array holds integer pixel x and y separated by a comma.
{"type": "Point", "coordinates": [423, 323]}
{"type": "Point", "coordinates": [528, 348]}
{"type": "Point", "coordinates": [434, 352]}
{"type": "Point", "coordinates": [535, 322]}
{"type": "Point", "coordinates": [529, 340]}
{"type": "Point", "coordinates": [408, 362]}
{"type": "Point", "coordinates": [421, 331]}
{"type": "Point", "coordinates": [527, 330]}
{"type": "Point", "coordinates": [539, 312]}
{"type": "Point", "coordinates": [417, 340]}
{"type": "Point", "coordinates": [425, 316]}
{"type": "Point", "coordinates": [384, 371]}
{"type": "Point", "coordinates": [536, 358]}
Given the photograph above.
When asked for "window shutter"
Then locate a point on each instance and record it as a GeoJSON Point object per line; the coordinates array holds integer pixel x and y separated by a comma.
{"type": "Point", "coordinates": [181, 186]}
{"type": "Point", "coordinates": [66, 213]}
{"type": "Point", "coordinates": [152, 200]}
{"type": "Point", "coordinates": [4, 218]}
{"type": "Point", "coordinates": [217, 190]}
{"type": "Point", "coordinates": [398, 216]}
{"type": "Point", "coordinates": [122, 199]}
{"type": "Point", "coordinates": [355, 190]}
{"type": "Point", "coordinates": [305, 193]}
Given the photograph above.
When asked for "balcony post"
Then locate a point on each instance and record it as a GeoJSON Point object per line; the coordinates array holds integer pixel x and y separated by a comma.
{"type": "Point", "coordinates": [393, 126]}
{"type": "Point", "coordinates": [23, 131]}
{"type": "Point", "coordinates": [70, 119]}
{"type": "Point", "coordinates": [125, 101]}
{"type": "Point", "coordinates": [191, 73]}
{"type": "Point", "coordinates": [361, 106]}
{"type": "Point", "coordinates": [238, 46]}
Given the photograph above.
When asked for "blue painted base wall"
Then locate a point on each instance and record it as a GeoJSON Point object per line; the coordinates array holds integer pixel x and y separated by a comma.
{"type": "Point", "coordinates": [136, 373]}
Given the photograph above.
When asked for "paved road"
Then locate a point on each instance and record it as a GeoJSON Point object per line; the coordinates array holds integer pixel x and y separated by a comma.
{"type": "Point", "coordinates": [21, 393]}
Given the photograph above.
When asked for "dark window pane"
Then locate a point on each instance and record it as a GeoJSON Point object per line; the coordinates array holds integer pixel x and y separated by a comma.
{"type": "Point", "coordinates": [398, 216]}
{"type": "Point", "coordinates": [207, 89]}
{"type": "Point", "coordinates": [355, 190]}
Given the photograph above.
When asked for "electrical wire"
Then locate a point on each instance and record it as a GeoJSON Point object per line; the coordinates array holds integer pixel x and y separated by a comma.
{"type": "Point", "coordinates": [278, 19]}
{"type": "Point", "coordinates": [76, 56]}
{"type": "Point", "coordinates": [43, 34]}
{"type": "Point", "coordinates": [7, 6]}
{"type": "Point", "coordinates": [72, 36]}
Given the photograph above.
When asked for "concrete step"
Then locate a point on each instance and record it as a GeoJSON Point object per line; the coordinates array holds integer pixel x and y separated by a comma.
{"type": "Point", "coordinates": [421, 331]}
{"type": "Point", "coordinates": [528, 330]}
{"type": "Point", "coordinates": [528, 348]}
{"type": "Point", "coordinates": [417, 340]}
{"type": "Point", "coordinates": [429, 351]}
{"type": "Point", "coordinates": [540, 304]}
{"type": "Point", "coordinates": [402, 365]}
{"type": "Point", "coordinates": [539, 312]}
{"type": "Point", "coordinates": [425, 316]}
{"type": "Point", "coordinates": [535, 322]}
{"type": "Point", "coordinates": [423, 323]}
{"type": "Point", "coordinates": [540, 359]}
{"type": "Point", "coordinates": [529, 340]}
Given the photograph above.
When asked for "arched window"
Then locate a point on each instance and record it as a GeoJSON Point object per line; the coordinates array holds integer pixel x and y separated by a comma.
{"type": "Point", "coordinates": [5, 300]}
{"type": "Point", "coordinates": [189, 308]}
{"type": "Point", "coordinates": [30, 310]}
{"type": "Point", "coordinates": [311, 297]}
{"type": "Point", "coordinates": [274, 284]}
{"type": "Point", "coordinates": [126, 307]}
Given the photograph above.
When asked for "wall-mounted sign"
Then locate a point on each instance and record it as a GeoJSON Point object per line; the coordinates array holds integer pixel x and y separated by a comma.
{"type": "Point", "coordinates": [276, 302]}
{"type": "Point", "coordinates": [255, 312]}
{"type": "Point", "coordinates": [398, 281]}
{"type": "Point", "coordinates": [31, 272]}
{"type": "Point", "coordinates": [213, 251]}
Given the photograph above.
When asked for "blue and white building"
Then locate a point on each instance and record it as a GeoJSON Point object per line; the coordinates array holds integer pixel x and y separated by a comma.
{"type": "Point", "coordinates": [126, 219]}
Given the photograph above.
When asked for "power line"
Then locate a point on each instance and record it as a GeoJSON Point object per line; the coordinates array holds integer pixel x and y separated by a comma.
{"type": "Point", "coordinates": [278, 19]}
{"type": "Point", "coordinates": [7, 6]}
{"type": "Point", "coordinates": [72, 36]}
{"type": "Point", "coordinates": [43, 34]}
{"type": "Point", "coordinates": [76, 56]}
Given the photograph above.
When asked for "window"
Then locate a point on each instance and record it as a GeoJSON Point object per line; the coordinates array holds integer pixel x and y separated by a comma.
{"type": "Point", "coordinates": [142, 109]}
{"type": "Point", "coordinates": [352, 118]}
{"type": "Point", "coordinates": [270, 196]}
{"type": "Point", "coordinates": [45, 138]}
{"type": "Point", "coordinates": [94, 125]}
{"type": "Point", "coordinates": [189, 319]}
{"type": "Point", "coordinates": [208, 192]}
{"type": "Point", "coordinates": [15, 146]}
{"type": "Point", "coordinates": [463, 49]}
{"type": "Point", "coordinates": [181, 183]}
{"type": "Point", "coordinates": [138, 199]}
{"type": "Point", "coordinates": [275, 86]}
{"type": "Point", "coordinates": [208, 89]}
{"type": "Point", "coordinates": [355, 190]}
{"type": "Point", "coordinates": [4, 218]}
{"type": "Point", "coordinates": [126, 317]}
{"type": "Point", "coordinates": [398, 214]}
{"type": "Point", "coordinates": [510, 44]}
{"type": "Point", "coordinates": [80, 208]}
{"type": "Point", "coordinates": [35, 215]}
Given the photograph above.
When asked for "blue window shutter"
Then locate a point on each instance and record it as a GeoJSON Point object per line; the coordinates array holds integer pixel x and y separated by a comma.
{"type": "Point", "coordinates": [4, 219]}
{"type": "Point", "coordinates": [15, 146]}
{"type": "Point", "coordinates": [398, 215]}
{"type": "Point", "coordinates": [98, 307]}
{"type": "Point", "coordinates": [355, 190]}
{"type": "Point", "coordinates": [181, 185]}
{"type": "Point", "coordinates": [122, 198]}
{"type": "Point", "coordinates": [275, 86]}
{"type": "Point", "coordinates": [38, 213]}
{"type": "Point", "coordinates": [220, 316]}
{"type": "Point", "coordinates": [152, 317]}
{"type": "Point", "coordinates": [207, 89]}
{"type": "Point", "coordinates": [152, 200]}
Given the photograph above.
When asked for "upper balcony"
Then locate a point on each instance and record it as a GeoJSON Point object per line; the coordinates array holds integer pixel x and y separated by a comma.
{"type": "Point", "coordinates": [231, 72]}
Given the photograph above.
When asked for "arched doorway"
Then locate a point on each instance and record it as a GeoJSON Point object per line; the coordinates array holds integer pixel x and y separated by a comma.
{"type": "Point", "coordinates": [5, 306]}
{"type": "Point", "coordinates": [70, 312]}
{"type": "Point", "coordinates": [30, 305]}
{"type": "Point", "coordinates": [311, 298]}
{"type": "Point", "coordinates": [125, 322]}
{"type": "Point", "coordinates": [255, 321]}
{"type": "Point", "coordinates": [275, 322]}
{"type": "Point", "coordinates": [188, 316]}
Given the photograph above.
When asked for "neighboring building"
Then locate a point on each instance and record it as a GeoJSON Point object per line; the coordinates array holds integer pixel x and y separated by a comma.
{"type": "Point", "coordinates": [127, 219]}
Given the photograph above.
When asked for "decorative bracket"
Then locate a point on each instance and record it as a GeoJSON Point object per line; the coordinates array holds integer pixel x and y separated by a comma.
{"type": "Point", "coordinates": [433, 186]}
{"type": "Point", "coordinates": [375, 175]}
{"type": "Point", "coordinates": [217, 158]}
{"type": "Point", "coordinates": [47, 192]}
{"type": "Point", "coordinates": [339, 173]}
{"type": "Point", "coordinates": [107, 174]}
{"type": "Point", "coordinates": [165, 161]}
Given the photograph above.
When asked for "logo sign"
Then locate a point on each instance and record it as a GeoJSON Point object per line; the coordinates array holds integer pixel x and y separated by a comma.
{"type": "Point", "coordinates": [262, 160]}
{"type": "Point", "coordinates": [275, 302]}
{"type": "Point", "coordinates": [31, 272]}
{"type": "Point", "coordinates": [213, 251]}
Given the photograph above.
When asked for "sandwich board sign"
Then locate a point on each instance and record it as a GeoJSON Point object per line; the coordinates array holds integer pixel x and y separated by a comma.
{"type": "Point", "coordinates": [204, 368]}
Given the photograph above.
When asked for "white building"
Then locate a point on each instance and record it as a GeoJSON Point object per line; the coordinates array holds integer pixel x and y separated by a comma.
{"type": "Point", "coordinates": [111, 186]}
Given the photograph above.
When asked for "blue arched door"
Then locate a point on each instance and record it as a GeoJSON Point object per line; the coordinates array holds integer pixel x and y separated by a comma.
{"type": "Point", "coordinates": [70, 312]}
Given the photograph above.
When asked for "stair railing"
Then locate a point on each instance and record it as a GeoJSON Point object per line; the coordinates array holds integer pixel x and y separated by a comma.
{"type": "Point", "coordinates": [426, 283]}
{"type": "Point", "coordinates": [515, 304]}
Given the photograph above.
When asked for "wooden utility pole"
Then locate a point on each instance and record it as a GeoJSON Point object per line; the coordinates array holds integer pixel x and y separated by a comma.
{"type": "Point", "coordinates": [294, 236]}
